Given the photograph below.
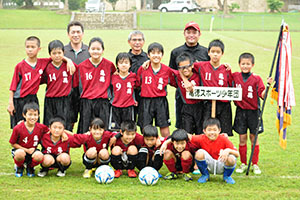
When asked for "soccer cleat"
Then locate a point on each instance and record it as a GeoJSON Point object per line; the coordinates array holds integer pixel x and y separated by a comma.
{"type": "Point", "coordinates": [228, 170]}
{"type": "Point", "coordinates": [170, 176]}
{"type": "Point", "coordinates": [118, 173]}
{"type": "Point", "coordinates": [241, 169]}
{"type": "Point", "coordinates": [256, 169]}
{"type": "Point", "coordinates": [87, 173]}
{"type": "Point", "coordinates": [228, 179]}
{"type": "Point", "coordinates": [19, 172]}
{"type": "Point", "coordinates": [196, 172]}
{"type": "Point", "coordinates": [61, 173]}
{"type": "Point", "coordinates": [30, 171]}
{"type": "Point", "coordinates": [203, 179]}
{"type": "Point", "coordinates": [187, 177]}
{"type": "Point", "coordinates": [43, 172]}
{"type": "Point", "coordinates": [131, 173]}
{"type": "Point", "coordinates": [159, 175]}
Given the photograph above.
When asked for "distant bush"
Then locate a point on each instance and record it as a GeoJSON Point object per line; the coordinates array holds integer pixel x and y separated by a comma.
{"type": "Point", "coordinates": [234, 6]}
{"type": "Point", "coordinates": [275, 5]}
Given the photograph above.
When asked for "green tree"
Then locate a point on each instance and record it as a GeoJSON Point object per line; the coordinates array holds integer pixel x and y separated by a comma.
{"type": "Point", "coordinates": [28, 3]}
{"type": "Point", "coordinates": [113, 3]}
{"type": "Point", "coordinates": [275, 5]}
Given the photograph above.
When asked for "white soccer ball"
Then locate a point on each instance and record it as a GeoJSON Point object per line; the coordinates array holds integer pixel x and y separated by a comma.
{"type": "Point", "coordinates": [104, 174]}
{"type": "Point", "coordinates": [148, 176]}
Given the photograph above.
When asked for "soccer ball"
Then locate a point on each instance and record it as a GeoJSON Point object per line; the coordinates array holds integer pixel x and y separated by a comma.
{"type": "Point", "coordinates": [148, 176]}
{"type": "Point", "coordinates": [104, 174]}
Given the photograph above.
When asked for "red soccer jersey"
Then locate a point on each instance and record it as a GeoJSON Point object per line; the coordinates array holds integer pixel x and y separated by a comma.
{"type": "Point", "coordinates": [137, 141]}
{"type": "Point", "coordinates": [189, 147]}
{"type": "Point", "coordinates": [88, 141]}
{"type": "Point", "coordinates": [154, 84]}
{"type": "Point", "coordinates": [194, 79]}
{"type": "Point", "coordinates": [94, 81]}
{"type": "Point", "coordinates": [123, 95]}
{"type": "Point", "coordinates": [23, 137]}
{"type": "Point", "coordinates": [152, 150]}
{"type": "Point", "coordinates": [49, 147]}
{"type": "Point", "coordinates": [213, 77]}
{"type": "Point", "coordinates": [252, 90]}
{"type": "Point", "coordinates": [212, 147]}
{"type": "Point", "coordinates": [59, 81]}
{"type": "Point", "coordinates": [26, 79]}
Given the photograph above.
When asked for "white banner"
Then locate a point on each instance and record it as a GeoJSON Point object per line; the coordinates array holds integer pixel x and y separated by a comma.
{"type": "Point", "coordinates": [215, 93]}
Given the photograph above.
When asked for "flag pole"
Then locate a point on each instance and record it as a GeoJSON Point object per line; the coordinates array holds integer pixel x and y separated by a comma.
{"type": "Point", "coordinates": [265, 98]}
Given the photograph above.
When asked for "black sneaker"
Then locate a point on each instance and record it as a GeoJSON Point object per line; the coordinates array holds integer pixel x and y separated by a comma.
{"type": "Point", "coordinates": [30, 171]}
{"type": "Point", "coordinates": [19, 172]}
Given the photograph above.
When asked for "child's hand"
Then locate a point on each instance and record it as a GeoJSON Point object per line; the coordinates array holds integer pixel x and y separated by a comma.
{"type": "Point", "coordinates": [223, 155]}
{"type": "Point", "coordinates": [136, 103]}
{"type": "Point", "coordinates": [64, 137]}
{"type": "Point", "coordinates": [116, 73]}
{"type": "Point", "coordinates": [146, 64]}
{"type": "Point", "coordinates": [112, 141]}
{"type": "Point", "coordinates": [228, 67]}
{"type": "Point", "coordinates": [87, 133]}
{"type": "Point", "coordinates": [19, 122]}
{"type": "Point", "coordinates": [224, 134]}
{"type": "Point", "coordinates": [158, 143]}
{"type": "Point", "coordinates": [69, 132]}
{"type": "Point", "coordinates": [270, 80]}
{"type": "Point", "coordinates": [30, 151]}
{"type": "Point", "coordinates": [70, 66]}
{"type": "Point", "coordinates": [11, 109]}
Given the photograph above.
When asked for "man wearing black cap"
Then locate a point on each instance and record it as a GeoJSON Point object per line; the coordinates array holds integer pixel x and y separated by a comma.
{"type": "Point", "coordinates": [199, 53]}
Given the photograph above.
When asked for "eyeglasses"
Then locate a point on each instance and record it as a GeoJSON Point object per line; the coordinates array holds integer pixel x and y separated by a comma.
{"type": "Point", "coordinates": [185, 66]}
{"type": "Point", "coordinates": [135, 40]}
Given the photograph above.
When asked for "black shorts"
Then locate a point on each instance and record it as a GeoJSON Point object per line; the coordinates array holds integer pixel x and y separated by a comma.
{"type": "Point", "coordinates": [28, 157]}
{"type": "Point", "coordinates": [223, 113]}
{"type": "Point", "coordinates": [247, 119]}
{"type": "Point", "coordinates": [192, 118]}
{"type": "Point", "coordinates": [19, 104]}
{"type": "Point", "coordinates": [75, 104]}
{"type": "Point", "coordinates": [154, 108]}
{"type": "Point", "coordinates": [118, 115]}
{"type": "Point", "coordinates": [90, 109]}
{"type": "Point", "coordinates": [58, 106]}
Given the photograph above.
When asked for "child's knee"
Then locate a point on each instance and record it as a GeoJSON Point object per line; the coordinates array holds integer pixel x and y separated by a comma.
{"type": "Point", "coordinates": [132, 150]}
{"type": "Point", "coordinates": [116, 151]}
{"type": "Point", "coordinates": [91, 153]}
{"type": "Point", "coordinates": [199, 155]}
{"type": "Point", "coordinates": [231, 160]}
{"type": "Point", "coordinates": [168, 155]}
{"type": "Point", "coordinates": [19, 154]}
{"type": "Point", "coordinates": [103, 154]}
{"type": "Point", "coordinates": [186, 155]}
{"type": "Point", "coordinates": [64, 159]}
{"type": "Point", "coordinates": [48, 161]}
{"type": "Point", "coordinates": [38, 156]}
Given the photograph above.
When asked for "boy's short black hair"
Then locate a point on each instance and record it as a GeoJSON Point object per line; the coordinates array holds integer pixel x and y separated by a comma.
{"type": "Point", "coordinates": [155, 47]}
{"type": "Point", "coordinates": [216, 43]}
{"type": "Point", "coordinates": [123, 56]}
{"type": "Point", "coordinates": [97, 123]}
{"type": "Point", "coordinates": [75, 23]}
{"type": "Point", "coordinates": [150, 131]}
{"type": "Point", "coordinates": [96, 39]}
{"type": "Point", "coordinates": [184, 56]}
{"type": "Point", "coordinates": [55, 44]}
{"type": "Point", "coordinates": [179, 135]}
{"type": "Point", "coordinates": [34, 38]}
{"type": "Point", "coordinates": [246, 55]}
{"type": "Point", "coordinates": [211, 122]}
{"type": "Point", "coordinates": [31, 106]}
{"type": "Point", "coordinates": [57, 118]}
{"type": "Point", "coordinates": [128, 126]}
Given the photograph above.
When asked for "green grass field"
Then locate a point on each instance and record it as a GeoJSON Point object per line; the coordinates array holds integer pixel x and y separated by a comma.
{"type": "Point", "coordinates": [280, 178]}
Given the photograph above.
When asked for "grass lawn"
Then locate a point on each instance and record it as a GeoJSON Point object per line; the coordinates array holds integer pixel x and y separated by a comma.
{"type": "Point", "coordinates": [280, 178]}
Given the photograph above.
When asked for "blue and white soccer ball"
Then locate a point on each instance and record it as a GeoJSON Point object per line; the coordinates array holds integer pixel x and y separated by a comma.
{"type": "Point", "coordinates": [148, 176]}
{"type": "Point", "coordinates": [104, 174]}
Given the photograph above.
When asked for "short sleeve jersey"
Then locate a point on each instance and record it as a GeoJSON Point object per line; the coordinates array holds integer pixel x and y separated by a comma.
{"type": "Point", "coordinates": [59, 80]}
{"type": "Point", "coordinates": [154, 84]}
{"type": "Point", "coordinates": [88, 141]}
{"type": "Point", "coordinates": [194, 79]}
{"type": "Point", "coordinates": [212, 147]}
{"type": "Point", "coordinates": [26, 79]}
{"type": "Point", "coordinates": [55, 148]}
{"type": "Point", "coordinates": [252, 89]}
{"type": "Point", "coordinates": [137, 141]}
{"type": "Point", "coordinates": [94, 81]}
{"type": "Point", "coordinates": [123, 95]}
{"type": "Point", "coordinates": [189, 147]}
{"type": "Point", "coordinates": [151, 150]}
{"type": "Point", "coordinates": [26, 139]}
{"type": "Point", "coordinates": [213, 77]}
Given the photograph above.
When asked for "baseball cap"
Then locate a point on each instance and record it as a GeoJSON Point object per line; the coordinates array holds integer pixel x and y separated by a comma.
{"type": "Point", "coordinates": [193, 25]}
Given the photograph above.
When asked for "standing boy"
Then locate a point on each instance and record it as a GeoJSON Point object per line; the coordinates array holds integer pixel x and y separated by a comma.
{"type": "Point", "coordinates": [153, 83]}
{"type": "Point", "coordinates": [248, 110]}
{"type": "Point", "coordinates": [25, 138]}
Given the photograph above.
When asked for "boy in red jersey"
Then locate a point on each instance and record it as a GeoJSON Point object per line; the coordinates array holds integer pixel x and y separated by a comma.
{"type": "Point", "coordinates": [123, 99]}
{"type": "Point", "coordinates": [179, 155]}
{"type": "Point", "coordinates": [95, 146]}
{"type": "Point", "coordinates": [214, 74]}
{"type": "Point", "coordinates": [94, 81]}
{"type": "Point", "coordinates": [26, 79]}
{"type": "Point", "coordinates": [124, 151]}
{"type": "Point", "coordinates": [153, 83]}
{"type": "Point", "coordinates": [216, 154]}
{"type": "Point", "coordinates": [25, 138]}
{"type": "Point", "coordinates": [59, 86]}
{"type": "Point", "coordinates": [149, 154]}
{"type": "Point", "coordinates": [55, 148]}
{"type": "Point", "coordinates": [191, 112]}
{"type": "Point", "coordinates": [248, 110]}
